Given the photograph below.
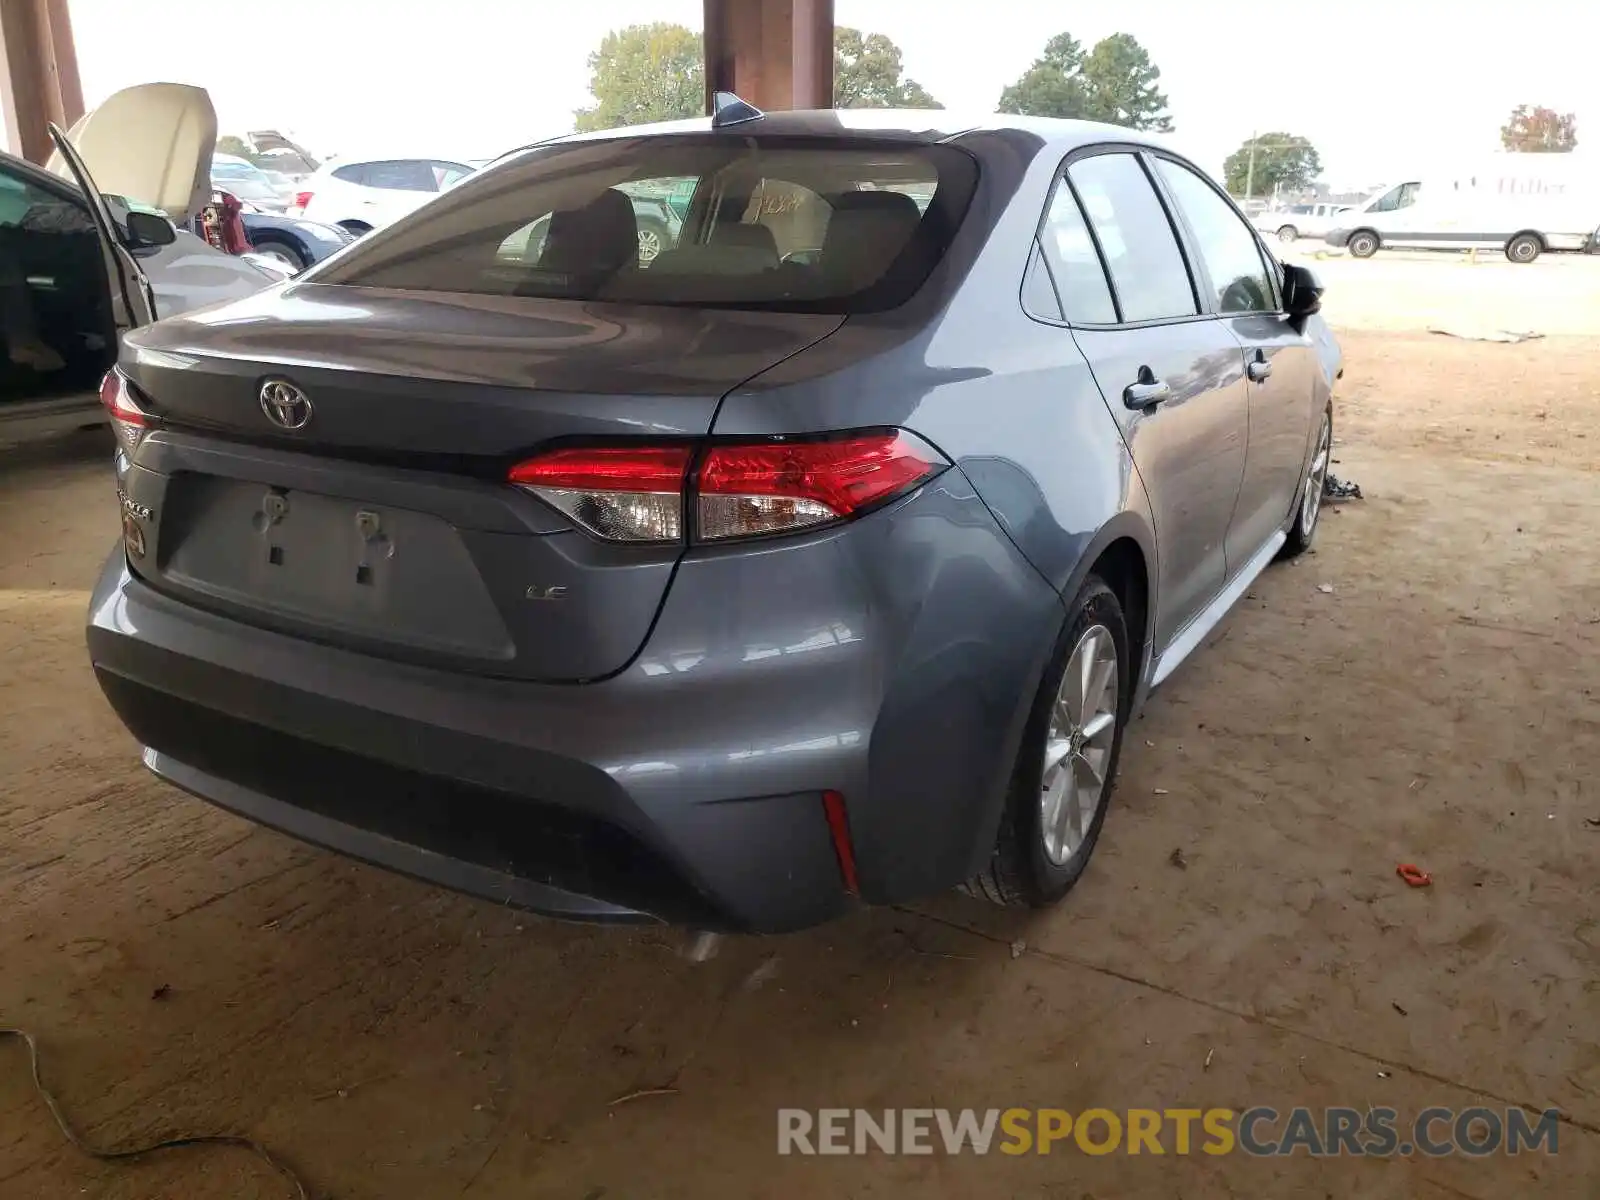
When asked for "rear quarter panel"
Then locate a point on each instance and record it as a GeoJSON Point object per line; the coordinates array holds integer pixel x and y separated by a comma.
{"type": "Point", "coordinates": [1009, 400]}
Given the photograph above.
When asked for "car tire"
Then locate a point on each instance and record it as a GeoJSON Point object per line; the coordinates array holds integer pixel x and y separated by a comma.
{"type": "Point", "coordinates": [1034, 864]}
{"type": "Point", "coordinates": [1288, 233]}
{"type": "Point", "coordinates": [284, 252]}
{"type": "Point", "coordinates": [1363, 243]}
{"type": "Point", "coordinates": [1308, 504]}
{"type": "Point", "coordinates": [654, 237]}
{"type": "Point", "coordinates": [355, 228]}
{"type": "Point", "coordinates": [1525, 247]}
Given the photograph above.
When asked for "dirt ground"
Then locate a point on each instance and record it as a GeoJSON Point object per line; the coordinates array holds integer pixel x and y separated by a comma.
{"type": "Point", "coordinates": [187, 971]}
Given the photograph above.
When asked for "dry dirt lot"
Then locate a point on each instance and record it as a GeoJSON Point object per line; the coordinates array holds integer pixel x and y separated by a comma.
{"type": "Point", "coordinates": [185, 970]}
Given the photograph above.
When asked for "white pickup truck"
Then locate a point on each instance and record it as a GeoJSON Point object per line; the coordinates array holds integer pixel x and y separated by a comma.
{"type": "Point", "coordinates": [1299, 220]}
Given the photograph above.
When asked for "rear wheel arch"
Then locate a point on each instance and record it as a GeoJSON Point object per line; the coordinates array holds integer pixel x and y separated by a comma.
{"type": "Point", "coordinates": [1123, 554]}
{"type": "Point", "coordinates": [1123, 567]}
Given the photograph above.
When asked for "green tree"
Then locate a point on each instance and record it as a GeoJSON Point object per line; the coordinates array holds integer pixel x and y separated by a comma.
{"type": "Point", "coordinates": [868, 73]}
{"type": "Point", "coordinates": [645, 73]}
{"type": "Point", "coordinates": [230, 144]}
{"type": "Point", "coordinates": [1053, 85]}
{"type": "Point", "coordinates": [1539, 130]}
{"type": "Point", "coordinates": [1281, 159]}
{"type": "Point", "coordinates": [1121, 83]}
{"type": "Point", "coordinates": [1115, 82]}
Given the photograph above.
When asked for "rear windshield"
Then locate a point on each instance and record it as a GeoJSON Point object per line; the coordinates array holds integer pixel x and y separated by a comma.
{"type": "Point", "coordinates": [726, 220]}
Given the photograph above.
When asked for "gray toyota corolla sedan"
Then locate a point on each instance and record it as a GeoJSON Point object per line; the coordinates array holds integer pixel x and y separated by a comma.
{"type": "Point", "coordinates": [819, 561]}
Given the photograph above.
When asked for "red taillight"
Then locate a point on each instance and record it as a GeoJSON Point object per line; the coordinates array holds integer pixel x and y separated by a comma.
{"type": "Point", "coordinates": [624, 494]}
{"type": "Point", "coordinates": [301, 199]}
{"type": "Point", "coordinates": [638, 493]}
{"type": "Point", "coordinates": [780, 486]}
{"type": "Point", "coordinates": [129, 422]}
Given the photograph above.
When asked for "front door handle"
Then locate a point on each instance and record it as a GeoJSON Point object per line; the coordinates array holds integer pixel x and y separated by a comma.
{"type": "Point", "coordinates": [1259, 368]}
{"type": "Point", "coordinates": [1147, 391]}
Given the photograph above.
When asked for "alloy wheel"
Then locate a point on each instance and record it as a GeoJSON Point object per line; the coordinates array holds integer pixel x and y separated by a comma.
{"type": "Point", "coordinates": [649, 245]}
{"type": "Point", "coordinates": [1077, 753]}
{"type": "Point", "coordinates": [1316, 477]}
{"type": "Point", "coordinates": [287, 258]}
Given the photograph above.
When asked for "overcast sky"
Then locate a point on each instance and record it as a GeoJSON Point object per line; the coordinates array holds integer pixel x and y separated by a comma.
{"type": "Point", "coordinates": [1379, 86]}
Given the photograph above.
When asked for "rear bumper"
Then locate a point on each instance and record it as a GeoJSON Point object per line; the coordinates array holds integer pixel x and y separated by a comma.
{"type": "Point", "coordinates": [688, 788]}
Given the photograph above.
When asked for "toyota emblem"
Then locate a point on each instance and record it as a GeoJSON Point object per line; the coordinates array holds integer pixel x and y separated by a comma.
{"type": "Point", "coordinates": [285, 404]}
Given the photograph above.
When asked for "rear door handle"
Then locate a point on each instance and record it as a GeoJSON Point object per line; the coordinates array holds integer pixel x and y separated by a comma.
{"type": "Point", "coordinates": [1259, 369]}
{"type": "Point", "coordinates": [1147, 391]}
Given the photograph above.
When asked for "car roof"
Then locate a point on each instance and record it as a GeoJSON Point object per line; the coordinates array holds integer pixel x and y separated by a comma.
{"type": "Point", "coordinates": [895, 124]}
{"type": "Point", "coordinates": [356, 160]}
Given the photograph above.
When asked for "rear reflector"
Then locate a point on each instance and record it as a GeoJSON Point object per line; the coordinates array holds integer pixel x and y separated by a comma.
{"type": "Point", "coordinates": [745, 491]}
{"type": "Point", "coordinates": [639, 493]}
{"type": "Point", "coordinates": [623, 494]}
{"type": "Point", "coordinates": [129, 422]}
{"type": "Point", "coordinates": [839, 828]}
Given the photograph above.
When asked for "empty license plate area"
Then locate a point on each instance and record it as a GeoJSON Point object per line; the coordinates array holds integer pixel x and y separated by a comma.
{"type": "Point", "coordinates": [379, 572]}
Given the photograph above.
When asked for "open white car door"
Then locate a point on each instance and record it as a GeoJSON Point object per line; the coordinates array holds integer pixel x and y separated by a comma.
{"type": "Point", "coordinates": [131, 298]}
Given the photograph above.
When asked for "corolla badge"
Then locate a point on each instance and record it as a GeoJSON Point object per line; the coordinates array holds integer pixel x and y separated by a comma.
{"type": "Point", "coordinates": [285, 405]}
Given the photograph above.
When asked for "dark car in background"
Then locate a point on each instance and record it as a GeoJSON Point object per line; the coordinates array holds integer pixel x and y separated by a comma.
{"type": "Point", "coordinates": [293, 241]}
{"type": "Point", "coordinates": [716, 588]}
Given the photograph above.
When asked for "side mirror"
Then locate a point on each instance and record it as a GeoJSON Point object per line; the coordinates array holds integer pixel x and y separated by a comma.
{"type": "Point", "coordinates": [1302, 290]}
{"type": "Point", "coordinates": [148, 230]}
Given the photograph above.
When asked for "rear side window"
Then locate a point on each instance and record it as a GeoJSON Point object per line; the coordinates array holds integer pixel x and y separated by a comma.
{"type": "Point", "coordinates": [837, 225]}
{"type": "Point", "coordinates": [1038, 293]}
{"type": "Point", "coordinates": [351, 173]}
{"type": "Point", "coordinates": [1074, 264]}
{"type": "Point", "coordinates": [1136, 237]}
{"type": "Point", "coordinates": [401, 175]}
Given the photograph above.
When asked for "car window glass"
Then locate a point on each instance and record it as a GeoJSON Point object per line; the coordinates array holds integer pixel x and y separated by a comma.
{"type": "Point", "coordinates": [1075, 266]}
{"type": "Point", "coordinates": [1136, 237]}
{"type": "Point", "coordinates": [447, 173]}
{"type": "Point", "coordinates": [56, 328]}
{"type": "Point", "coordinates": [1227, 247]}
{"type": "Point", "coordinates": [1038, 292]}
{"type": "Point", "coordinates": [837, 225]}
{"type": "Point", "coordinates": [351, 173]}
{"type": "Point", "coordinates": [1395, 198]}
{"type": "Point", "coordinates": [401, 175]}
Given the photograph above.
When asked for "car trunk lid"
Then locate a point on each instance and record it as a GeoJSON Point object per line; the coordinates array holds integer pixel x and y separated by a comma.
{"type": "Point", "coordinates": [383, 520]}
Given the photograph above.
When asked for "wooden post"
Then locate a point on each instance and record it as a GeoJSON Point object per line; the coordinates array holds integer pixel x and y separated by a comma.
{"type": "Point", "coordinates": [775, 54]}
{"type": "Point", "coordinates": [38, 73]}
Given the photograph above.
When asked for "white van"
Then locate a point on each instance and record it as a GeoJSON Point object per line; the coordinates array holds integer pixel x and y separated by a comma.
{"type": "Point", "coordinates": [1523, 204]}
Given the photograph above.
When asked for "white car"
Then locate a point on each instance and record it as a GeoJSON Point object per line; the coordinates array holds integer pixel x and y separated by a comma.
{"type": "Point", "coordinates": [363, 194]}
{"type": "Point", "coordinates": [79, 264]}
{"type": "Point", "coordinates": [248, 182]}
{"type": "Point", "coordinates": [1299, 220]}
